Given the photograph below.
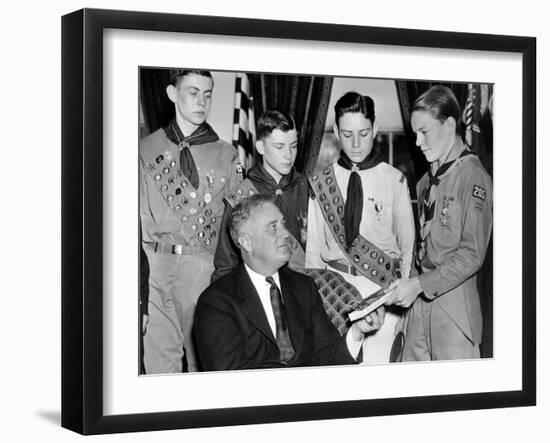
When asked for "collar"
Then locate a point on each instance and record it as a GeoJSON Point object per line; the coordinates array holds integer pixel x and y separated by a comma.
{"type": "Point", "coordinates": [370, 161]}
{"type": "Point", "coordinates": [258, 173]}
{"type": "Point", "coordinates": [258, 280]}
{"type": "Point", "coordinates": [203, 134]}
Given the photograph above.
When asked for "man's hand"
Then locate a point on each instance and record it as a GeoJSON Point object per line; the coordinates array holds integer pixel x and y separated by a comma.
{"type": "Point", "coordinates": [405, 292]}
{"type": "Point", "coordinates": [370, 323]}
{"type": "Point", "coordinates": [144, 323]}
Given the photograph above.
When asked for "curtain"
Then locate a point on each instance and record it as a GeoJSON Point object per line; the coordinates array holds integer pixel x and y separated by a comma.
{"type": "Point", "coordinates": [304, 97]}
{"type": "Point", "coordinates": [157, 108]}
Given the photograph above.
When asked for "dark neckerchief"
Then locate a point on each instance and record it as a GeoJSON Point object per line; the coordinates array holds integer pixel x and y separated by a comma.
{"type": "Point", "coordinates": [434, 178]}
{"type": "Point", "coordinates": [429, 196]}
{"type": "Point", "coordinates": [260, 175]}
{"type": "Point", "coordinates": [203, 134]}
{"type": "Point", "coordinates": [353, 209]}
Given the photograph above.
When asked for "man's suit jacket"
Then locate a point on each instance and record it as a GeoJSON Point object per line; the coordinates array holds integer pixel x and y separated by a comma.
{"type": "Point", "coordinates": [232, 332]}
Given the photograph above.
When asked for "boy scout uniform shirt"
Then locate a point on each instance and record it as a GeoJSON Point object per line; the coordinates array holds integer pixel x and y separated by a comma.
{"type": "Point", "coordinates": [456, 244]}
{"type": "Point", "coordinates": [172, 211]}
{"type": "Point", "coordinates": [387, 219]}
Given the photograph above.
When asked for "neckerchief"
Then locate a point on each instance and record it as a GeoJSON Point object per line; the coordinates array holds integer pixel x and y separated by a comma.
{"type": "Point", "coordinates": [203, 134]}
{"type": "Point", "coordinates": [428, 204]}
{"type": "Point", "coordinates": [259, 174]}
{"type": "Point", "coordinates": [353, 209]}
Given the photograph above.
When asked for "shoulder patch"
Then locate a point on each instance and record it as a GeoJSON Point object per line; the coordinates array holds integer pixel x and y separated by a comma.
{"type": "Point", "coordinates": [479, 192]}
{"type": "Point", "coordinates": [402, 179]}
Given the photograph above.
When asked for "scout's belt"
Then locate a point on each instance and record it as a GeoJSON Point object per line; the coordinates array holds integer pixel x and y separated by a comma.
{"type": "Point", "coordinates": [350, 269]}
{"type": "Point", "coordinates": [366, 258]}
{"type": "Point", "coordinates": [176, 249]}
{"type": "Point", "coordinates": [342, 267]}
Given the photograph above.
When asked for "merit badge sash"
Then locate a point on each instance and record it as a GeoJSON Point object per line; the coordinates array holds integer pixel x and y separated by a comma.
{"type": "Point", "coordinates": [246, 189]}
{"type": "Point", "coordinates": [369, 260]}
{"type": "Point", "coordinates": [190, 205]}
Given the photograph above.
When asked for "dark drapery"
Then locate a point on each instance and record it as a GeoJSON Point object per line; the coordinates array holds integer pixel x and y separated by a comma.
{"type": "Point", "coordinates": [482, 144]}
{"type": "Point", "coordinates": [158, 110]}
{"type": "Point", "coordinates": [304, 97]}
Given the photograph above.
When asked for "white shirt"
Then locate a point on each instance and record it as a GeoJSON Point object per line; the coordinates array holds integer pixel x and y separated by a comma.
{"type": "Point", "coordinates": [387, 219]}
{"type": "Point", "coordinates": [263, 289]}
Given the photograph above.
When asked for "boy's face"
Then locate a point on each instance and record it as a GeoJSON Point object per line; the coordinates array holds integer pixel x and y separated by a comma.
{"type": "Point", "coordinates": [355, 133]}
{"type": "Point", "coordinates": [192, 97]}
{"type": "Point", "coordinates": [279, 151]}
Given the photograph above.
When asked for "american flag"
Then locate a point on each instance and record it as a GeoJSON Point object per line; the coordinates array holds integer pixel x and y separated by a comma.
{"type": "Point", "coordinates": [471, 114]}
{"type": "Point", "coordinates": [244, 130]}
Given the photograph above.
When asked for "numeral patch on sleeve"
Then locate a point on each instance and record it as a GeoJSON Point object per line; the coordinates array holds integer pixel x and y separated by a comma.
{"type": "Point", "coordinates": [479, 192]}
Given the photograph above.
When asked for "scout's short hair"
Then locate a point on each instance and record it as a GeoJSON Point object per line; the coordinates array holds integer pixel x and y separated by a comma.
{"type": "Point", "coordinates": [243, 211]}
{"type": "Point", "coordinates": [177, 74]}
{"type": "Point", "coordinates": [274, 119]}
{"type": "Point", "coordinates": [441, 103]}
{"type": "Point", "coordinates": [354, 102]}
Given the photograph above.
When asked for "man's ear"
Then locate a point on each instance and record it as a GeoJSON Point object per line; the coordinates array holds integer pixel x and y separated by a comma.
{"type": "Point", "coordinates": [335, 130]}
{"type": "Point", "coordinates": [245, 242]}
{"type": "Point", "coordinates": [374, 130]}
{"type": "Point", "coordinates": [171, 92]}
{"type": "Point", "coordinates": [260, 147]}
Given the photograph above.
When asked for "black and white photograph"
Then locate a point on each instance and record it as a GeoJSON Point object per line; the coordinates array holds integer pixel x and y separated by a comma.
{"type": "Point", "coordinates": [291, 220]}
{"type": "Point", "coordinates": [285, 222]}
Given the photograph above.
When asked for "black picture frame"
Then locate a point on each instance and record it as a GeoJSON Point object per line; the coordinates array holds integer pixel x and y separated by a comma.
{"type": "Point", "coordinates": [82, 220]}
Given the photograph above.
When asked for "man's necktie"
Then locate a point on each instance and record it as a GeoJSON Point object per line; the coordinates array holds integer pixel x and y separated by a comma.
{"type": "Point", "coordinates": [283, 337]}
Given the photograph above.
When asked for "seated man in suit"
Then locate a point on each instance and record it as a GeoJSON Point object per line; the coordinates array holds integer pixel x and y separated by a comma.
{"type": "Point", "coordinates": [264, 315]}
